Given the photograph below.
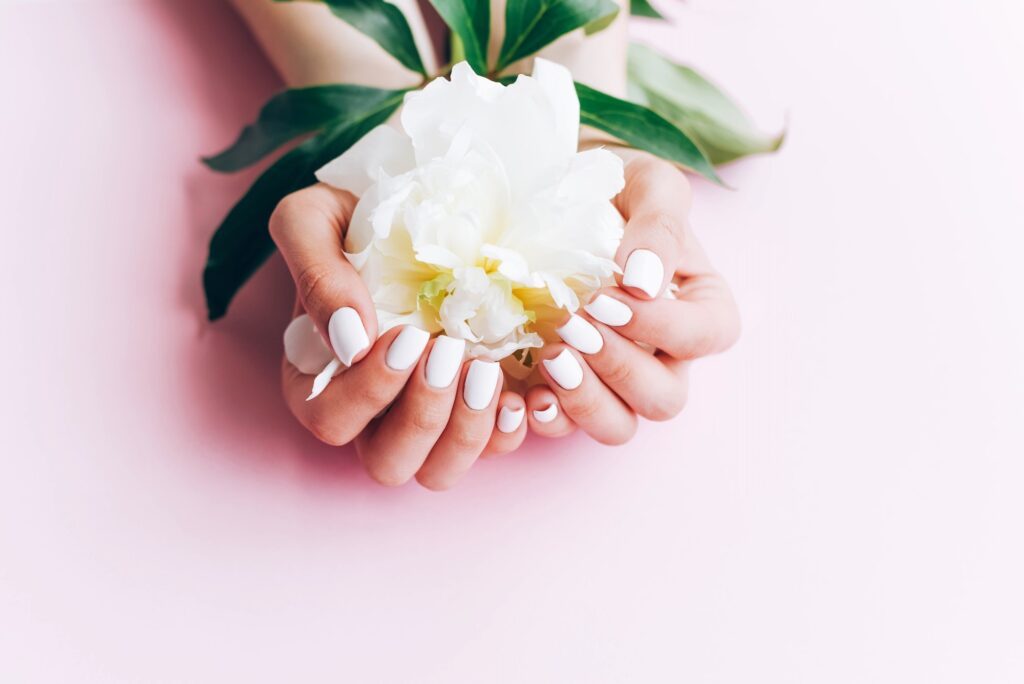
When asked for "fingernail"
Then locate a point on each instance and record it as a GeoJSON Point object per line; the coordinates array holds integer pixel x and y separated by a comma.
{"type": "Point", "coordinates": [579, 333]}
{"type": "Point", "coordinates": [444, 361]}
{"type": "Point", "coordinates": [406, 349]}
{"type": "Point", "coordinates": [546, 415]}
{"type": "Point", "coordinates": [481, 380]}
{"type": "Point", "coordinates": [644, 271]}
{"type": "Point", "coordinates": [609, 310]}
{"type": "Point", "coordinates": [565, 370]}
{"type": "Point", "coordinates": [509, 419]}
{"type": "Point", "coordinates": [348, 336]}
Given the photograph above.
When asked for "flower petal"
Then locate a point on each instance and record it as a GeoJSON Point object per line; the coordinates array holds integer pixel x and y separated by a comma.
{"type": "Point", "coordinates": [593, 175]}
{"type": "Point", "coordinates": [382, 149]}
{"type": "Point", "coordinates": [324, 378]}
{"type": "Point", "coordinates": [304, 347]}
{"type": "Point", "coordinates": [556, 82]}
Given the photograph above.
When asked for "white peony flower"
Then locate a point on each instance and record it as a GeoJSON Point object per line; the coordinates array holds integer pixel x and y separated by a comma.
{"type": "Point", "coordinates": [480, 219]}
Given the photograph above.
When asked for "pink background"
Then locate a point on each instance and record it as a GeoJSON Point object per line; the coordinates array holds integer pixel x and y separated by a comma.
{"type": "Point", "coordinates": [841, 501]}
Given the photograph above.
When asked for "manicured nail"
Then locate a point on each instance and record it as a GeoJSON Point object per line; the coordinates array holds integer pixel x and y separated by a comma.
{"type": "Point", "coordinates": [444, 361]}
{"type": "Point", "coordinates": [481, 381]}
{"type": "Point", "coordinates": [578, 332]}
{"type": "Point", "coordinates": [406, 349]}
{"type": "Point", "coordinates": [609, 311]}
{"type": "Point", "coordinates": [565, 370]}
{"type": "Point", "coordinates": [644, 271]}
{"type": "Point", "coordinates": [509, 419]}
{"type": "Point", "coordinates": [348, 336]}
{"type": "Point", "coordinates": [546, 415]}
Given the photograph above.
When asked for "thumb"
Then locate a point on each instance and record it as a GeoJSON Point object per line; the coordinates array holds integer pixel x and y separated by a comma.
{"type": "Point", "coordinates": [308, 227]}
{"type": "Point", "coordinates": [655, 204]}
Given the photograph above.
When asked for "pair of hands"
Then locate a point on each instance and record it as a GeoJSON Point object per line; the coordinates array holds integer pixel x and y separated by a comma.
{"type": "Point", "coordinates": [600, 380]}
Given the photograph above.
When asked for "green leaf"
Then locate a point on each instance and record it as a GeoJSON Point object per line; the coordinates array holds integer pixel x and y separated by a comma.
{"type": "Point", "coordinates": [383, 22]}
{"type": "Point", "coordinates": [532, 24]}
{"type": "Point", "coordinates": [697, 106]}
{"type": "Point", "coordinates": [296, 112]}
{"type": "Point", "coordinates": [470, 21]}
{"type": "Point", "coordinates": [601, 23]}
{"type": "Point", "coordinates": [643, 8]}
{"type": "Point", "coordinates": [242, 242]}
{"type": "Point", "coordinates": [643, 129]}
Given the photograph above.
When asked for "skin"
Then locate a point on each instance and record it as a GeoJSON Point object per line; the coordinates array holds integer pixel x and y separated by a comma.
{"type": "Point", "coordinates": [431, 434]}
{"type": "Point", "coordinates": [403, 428]}
{"type": "Point", "coordinates": [623, 380]}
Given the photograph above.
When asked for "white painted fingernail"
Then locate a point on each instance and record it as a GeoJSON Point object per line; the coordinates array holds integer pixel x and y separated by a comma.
{"type": "Point", "coordinates": [546, 415]}
{"type": "Point", "coordinates": [444, 361]}
{"type": "Point", "coordinates": [644, 271]}
{"type": "Point", "coordinates": [406, 349]}
{"type": "Point", "coordinates": [481, 381]}
{"type": "Point", "coordinates": [579, 333]}
{"type": "Point", "coordinates": [609, 311]}
{"type": "Point", "coordinates": [565, 370]}
{"type": "Point", "coordinates": [348, 336]}
{"type": "Point", "coordinates": [510, 419]}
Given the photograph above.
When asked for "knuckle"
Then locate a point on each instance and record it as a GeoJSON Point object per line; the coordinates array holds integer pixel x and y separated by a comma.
{"type": "Point", "coordinates": [620, 436]}
{"type": "Point", "coordinates": [665, 408]}
{"type": "Point", "coordinates": [434, 482]}
{"type": "Point", "coordinates": [326, 427]}
{"type": "Point", "coordinates": [280, 218]}
{"type": "Point", "coordinates": [654, 170]}
{"type": "Point", "coordinates": [429, 418]}
{"type": "Point", "coordinates": [311, 283]}
{"type": "Point", "coordinates": [467, 439]}
{"type": "Point", "coordinates": [668, 224]}
{"type": "Point", "coordinates": [385, 471]}
{"type": "Point", "coordinates": [378, 395]}
{"type": "Point", "coordinates": [720, 332]}
{"type": "Point", "coordinates": [584, 409]}
{"type": "Point", "coordinates": [655, 166]}
{"type": "Point", "coordinates": [704, 342]}
{"type": "Point", "coordinates": [616, 372]}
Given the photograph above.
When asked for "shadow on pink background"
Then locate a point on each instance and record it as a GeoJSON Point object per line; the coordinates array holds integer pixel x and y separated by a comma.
{"type": "Point", "coordinates": [839, 503]}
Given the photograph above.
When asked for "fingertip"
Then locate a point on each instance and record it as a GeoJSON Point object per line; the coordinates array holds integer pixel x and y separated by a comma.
{"type": "Point", "coordinates": [510, 425]}
{"type": "Point", "coordinates": [563, 366]}
{"type": "Point", "coordinates": [643, 274]}
{"type": "Point", "coordinates": [611, 307]}
{"type": "Point", "coordinates": [348, 334]}
{"type": "Point", "coordinates": [511, 413]}
{"type": "Point", "coordinates": [434, 482]}
{"type": "Point", "coordinates": [404, 347]}
{"type": "Point", "coordinates": [481, 385]}
{"type": "Point", "coordinates": [544, 415]}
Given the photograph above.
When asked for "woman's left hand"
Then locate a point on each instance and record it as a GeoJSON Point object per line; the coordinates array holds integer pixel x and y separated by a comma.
{"type": "Point", "coordinates": [600, 380]}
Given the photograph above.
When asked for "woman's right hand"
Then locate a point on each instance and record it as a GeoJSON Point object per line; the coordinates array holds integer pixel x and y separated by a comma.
{"type": "Point", "coordinates": [411, 404]}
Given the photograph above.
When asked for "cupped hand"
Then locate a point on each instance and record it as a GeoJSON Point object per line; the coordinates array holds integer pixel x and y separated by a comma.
{"type": "Point", "coordinates": [601, 379]}
{"type": "Point", "coordinates": [415, 409]}
{"type": "Point", "coordinates": [412, 405]}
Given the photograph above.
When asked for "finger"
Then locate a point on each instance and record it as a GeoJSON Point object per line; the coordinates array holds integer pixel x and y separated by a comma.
{"type": "Point", "coordinates": [544, 415]}
{"type": "Point", "coordinates": [308, 228]}
{"type": "Point", "coordinates": [584, 398]}
{"type": "Point", "coordinates": [703, 321]}
{"type": "Point", "coordinates": [510, 425]}
{"type": "Point", "coordinates": [402, 439]}
{"type": "Point", "coordinates": [357, 395]}
{"type": "Point", "coordinates": [655, 203]}
{"type": "Point", "coordinates": [635, 374]}
{"type": "Point", "coordinates": [469, 428]}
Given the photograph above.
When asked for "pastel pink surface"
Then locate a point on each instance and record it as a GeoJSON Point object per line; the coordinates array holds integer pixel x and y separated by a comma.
{"type": "Point", "coordinates": [839, 503]}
